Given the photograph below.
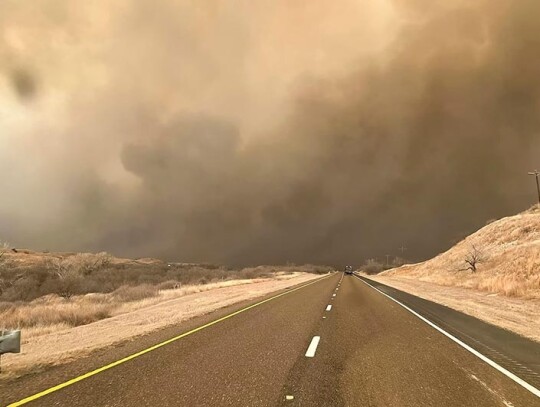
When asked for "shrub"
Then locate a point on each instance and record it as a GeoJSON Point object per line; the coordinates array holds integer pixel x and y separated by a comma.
{"type": "Point", "coordinates": [72, 274]}
{"type": "Point", "coordinates": [169, 285]}
{"type": "Point", "coordinates": [398, 262]}
{"type": "Point", "coordinates": [134, 293]}
{"type": "Point", "coordinates": [372, 266]}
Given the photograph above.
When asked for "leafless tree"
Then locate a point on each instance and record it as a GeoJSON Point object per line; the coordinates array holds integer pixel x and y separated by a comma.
{"type": "Point", "coordinates": [69, 274]}
{"type": "Point", "coordinates": [71, 271]}
{"type": "Point", "coordinates": [474, 257]}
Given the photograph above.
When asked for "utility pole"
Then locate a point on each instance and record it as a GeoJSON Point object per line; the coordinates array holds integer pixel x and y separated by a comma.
{"type": "Point", "coordinates": [402, 249]}
{"type": "Point", "coordinates": [536, 173]}
{"type": "Point", "coordinates": [387, 261]}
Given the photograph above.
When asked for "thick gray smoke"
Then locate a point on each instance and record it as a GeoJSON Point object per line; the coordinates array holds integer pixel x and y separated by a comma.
{"type": "Point", "coordinates": [267, 132]}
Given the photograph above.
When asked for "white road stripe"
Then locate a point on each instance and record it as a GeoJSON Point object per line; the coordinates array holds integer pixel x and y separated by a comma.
{"type": "Point", "coordinates": [313, 347]}
{"type": "Point", "coordinates": [333, 295]}
{"type": "Point", "coordinates": [490, 362]}
{"type": "Point", "coordinates": [329, 308]}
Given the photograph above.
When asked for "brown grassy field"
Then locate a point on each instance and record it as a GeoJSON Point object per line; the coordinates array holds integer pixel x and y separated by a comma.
{"type": "Point", "coordinates": [508, 260]}
{"type": "Point", "coordinates": [65, 331]}
{"type": "Point", "coordinates": [42, 292]}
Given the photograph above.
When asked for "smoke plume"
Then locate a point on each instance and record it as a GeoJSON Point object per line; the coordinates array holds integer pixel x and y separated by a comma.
{"type": "Point", "coordinates": [265, 132]}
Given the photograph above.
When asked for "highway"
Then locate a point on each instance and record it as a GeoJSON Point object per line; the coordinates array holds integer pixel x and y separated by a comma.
{"type": "Point", "coordinates": [337, 341]}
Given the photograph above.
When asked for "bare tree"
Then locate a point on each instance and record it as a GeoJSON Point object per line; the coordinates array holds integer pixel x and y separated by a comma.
{"type": "Point", "coordinates": [71, 271]}
{"type": "Point", "coordinates": [69, 275]}
{"type": "Point", "coordinates": [474, 257]}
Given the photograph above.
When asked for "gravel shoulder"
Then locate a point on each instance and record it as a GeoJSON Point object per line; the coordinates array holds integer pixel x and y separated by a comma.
{"type": "Point", "coordinates": [518, 315]}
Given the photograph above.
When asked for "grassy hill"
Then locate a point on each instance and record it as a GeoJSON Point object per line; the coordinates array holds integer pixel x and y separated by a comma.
{"type": "Point", "coordinates": [503, 258]}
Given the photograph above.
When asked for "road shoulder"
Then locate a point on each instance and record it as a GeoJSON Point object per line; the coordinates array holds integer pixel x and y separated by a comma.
{"type": "Point", "coordinates": [521, 316]}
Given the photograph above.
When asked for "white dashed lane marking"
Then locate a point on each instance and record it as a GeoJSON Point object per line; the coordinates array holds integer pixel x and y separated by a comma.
{"type": "Point", "coordinates": [313, 347]}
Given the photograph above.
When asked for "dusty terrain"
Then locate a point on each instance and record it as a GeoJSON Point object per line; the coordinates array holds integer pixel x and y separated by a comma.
{"type": "Point", "coordinates": [515, 314]}
{"type": "Point", "coordinates": [509, 265]}
{"type": "Point", "coordinates": [169, 308]}
{"type": "Point", "coordinates": [505, 288]}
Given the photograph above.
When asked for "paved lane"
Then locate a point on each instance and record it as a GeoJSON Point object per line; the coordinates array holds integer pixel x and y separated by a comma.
{"type": "Point", "coordinates": [518, 355]}
{"type": "Point", "coordinates": [372, 352]}
{"type": "Point", "coordinates": [336, 342]}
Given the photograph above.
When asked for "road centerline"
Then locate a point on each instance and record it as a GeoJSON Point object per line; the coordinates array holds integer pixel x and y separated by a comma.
{"type": "Point", "coordinates": [313, 347]}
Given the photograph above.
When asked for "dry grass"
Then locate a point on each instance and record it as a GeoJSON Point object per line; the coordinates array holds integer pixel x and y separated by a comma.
{"type": "Point", "coordinates": [515, 314]}
{"type": "Point", "coordinates": [59, 342]}
{"type": "Point", "coordinates": [52, 312]}
{"type": "Point", "coordinates": [510, 249]}
{"type": "Point", "coordinates": [26, 275]}
{"type": "Point", "coordinates": [165, 295]}
{"type": "Point", "coordinates": [127, 293]}
{"type": "Point", "coordinates": [71, 303]}
{"type": "Point", "coordinates": [47, 292]}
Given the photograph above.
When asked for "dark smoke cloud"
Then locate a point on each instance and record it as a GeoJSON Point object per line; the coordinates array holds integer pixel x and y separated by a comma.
{"type": "Point", "coordinates": [417, 144]}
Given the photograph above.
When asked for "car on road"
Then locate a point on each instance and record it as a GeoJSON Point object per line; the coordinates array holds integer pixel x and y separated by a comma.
{"type": "Point", "coordinates": [348, 270]}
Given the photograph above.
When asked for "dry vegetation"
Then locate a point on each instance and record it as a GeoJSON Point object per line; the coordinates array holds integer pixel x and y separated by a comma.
{"type": "Point", "coordinates": [59, 342]}
{"type": "Point", "coordinates": [502, 258]}
{"type": "Point", "coordinates": [374, 266]}
{"type": "Point", "coordinates": [41, 292]}
{"type": "Point", "coordinates": [513, 313]}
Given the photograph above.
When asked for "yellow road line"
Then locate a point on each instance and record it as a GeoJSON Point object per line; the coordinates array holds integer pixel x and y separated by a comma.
{"type": "Point", "coordinates": [150, 349]}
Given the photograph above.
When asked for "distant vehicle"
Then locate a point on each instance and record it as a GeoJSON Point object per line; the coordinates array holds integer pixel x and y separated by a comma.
{"type": "Point", "coordinates": [348, 270]}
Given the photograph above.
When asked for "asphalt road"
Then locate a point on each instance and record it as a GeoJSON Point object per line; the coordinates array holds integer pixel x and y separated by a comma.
{"type": "Point", "coordinates": [294, 350]}
{"type": "Point", "coordinates": [518, 355]}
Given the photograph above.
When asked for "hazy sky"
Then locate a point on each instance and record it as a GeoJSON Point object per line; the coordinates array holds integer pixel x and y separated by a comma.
{"type": "Point", "coordinates": [265, 131]}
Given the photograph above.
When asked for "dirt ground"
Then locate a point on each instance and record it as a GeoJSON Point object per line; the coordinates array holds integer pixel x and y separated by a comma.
{"type": "Point", "coordinates": [515, 314]}
{"type": "Point", "coordinates": [70, 343]}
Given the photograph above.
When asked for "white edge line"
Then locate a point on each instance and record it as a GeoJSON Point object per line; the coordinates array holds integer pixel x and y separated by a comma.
{"type": "Point", "coordinates": [490, 362]}
{"type": "Point", "coordinates": [313, 347]}
{"type": "Point", "coordinates": [328, 308]}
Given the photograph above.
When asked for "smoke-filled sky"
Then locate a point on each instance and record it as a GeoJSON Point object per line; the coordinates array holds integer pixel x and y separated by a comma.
{"type": "Point", "coordinates": [270, 131]}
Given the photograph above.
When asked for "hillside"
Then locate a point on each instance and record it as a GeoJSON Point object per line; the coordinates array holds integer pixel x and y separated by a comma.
{"type": "Point", "coordinates": [509, 259]}
{"type": "Point", "coordinates": [25, 258]}
{"type": "Point", "coordinates": [505, 288]}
